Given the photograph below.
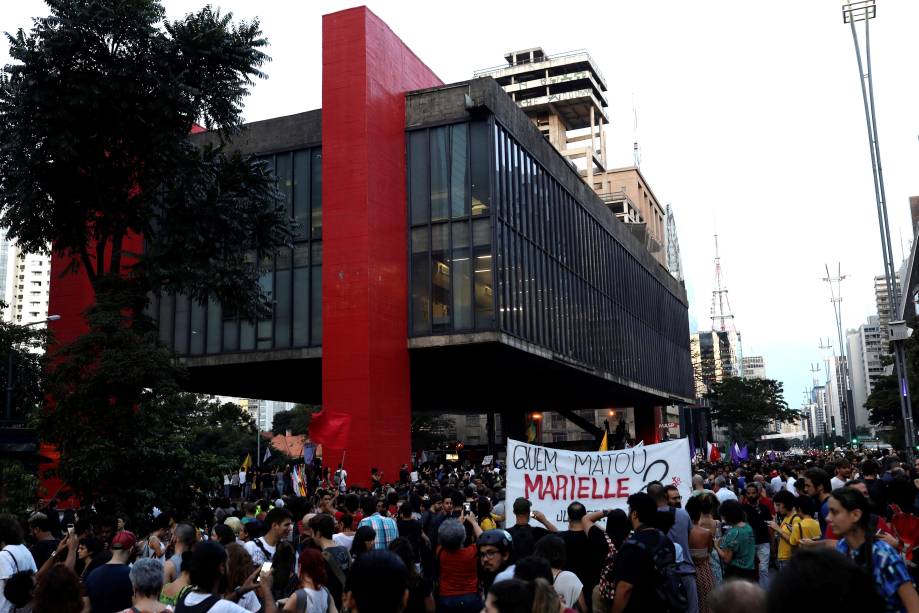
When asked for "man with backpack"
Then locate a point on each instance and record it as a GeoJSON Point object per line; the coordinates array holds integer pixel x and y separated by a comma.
{"type": "Point", "coordinates": [524, 535]}
{"type": "Point", "coordinates": [278, 524]}
{"type": "Point", "coordinates": [645, 572]}
{"type": "Point", "coordinates": [17, 567]}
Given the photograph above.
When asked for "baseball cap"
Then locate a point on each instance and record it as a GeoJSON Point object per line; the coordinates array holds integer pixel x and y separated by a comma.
{"type": "Point", "coordinates": [124, 540]}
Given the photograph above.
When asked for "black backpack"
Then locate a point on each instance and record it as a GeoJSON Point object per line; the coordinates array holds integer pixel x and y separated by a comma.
{"type": "Point", "coordinates": [19, 585]}
{"type": "Point", "coordinates": [202, 607]}
{"type": "Point", "coordinates": [670, 589]}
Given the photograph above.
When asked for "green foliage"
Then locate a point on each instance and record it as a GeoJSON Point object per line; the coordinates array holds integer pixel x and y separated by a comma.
{"type": "Point", "coordinates": [19, 490]}
{"type": "Point", "coordinates": [746, 407]}
{"type": "Point", "coordinates": [95, 112]}
{"type": "Point", "coordinates": [24, 344]}
{"type": "Point", "coordinates": [297, 420]}
{"type": "Point", "coordinates": [127, 434]}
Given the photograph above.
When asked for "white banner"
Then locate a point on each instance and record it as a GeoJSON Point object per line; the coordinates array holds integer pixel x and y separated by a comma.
{"type": "Point", "coordinates": [554, 478]}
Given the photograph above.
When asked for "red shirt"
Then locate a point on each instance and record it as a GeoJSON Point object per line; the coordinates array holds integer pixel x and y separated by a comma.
{"type": "Point", "coordinates": [458, 571]}
{"type": "Point", "coordinates": [768, 502]}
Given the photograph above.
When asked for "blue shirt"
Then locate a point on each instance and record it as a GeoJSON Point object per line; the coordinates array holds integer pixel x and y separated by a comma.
{"type": "Point", "coordinates": [385, 527]}
{"type": "Point", "coordinates": [888, 567]}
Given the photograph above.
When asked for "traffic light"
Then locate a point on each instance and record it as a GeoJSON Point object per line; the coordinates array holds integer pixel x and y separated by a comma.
{"type": "Point", "coordinates": [855, 441]}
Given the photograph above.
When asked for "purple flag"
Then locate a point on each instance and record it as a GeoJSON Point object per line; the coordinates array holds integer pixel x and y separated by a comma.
{"type": "Point", "coordinates": [744, 454]}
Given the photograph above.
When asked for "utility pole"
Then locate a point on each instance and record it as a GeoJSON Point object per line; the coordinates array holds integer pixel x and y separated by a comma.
{"type": "Point", "coordinates": [846, 408]}
{"type": "Point", "coordinates": [826, 362]}
{"type": "Point", "coordinates": [852, 13]}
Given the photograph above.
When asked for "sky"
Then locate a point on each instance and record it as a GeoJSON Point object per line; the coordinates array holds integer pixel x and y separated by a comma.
{"type": "Point", "coordinates": [749, 121]}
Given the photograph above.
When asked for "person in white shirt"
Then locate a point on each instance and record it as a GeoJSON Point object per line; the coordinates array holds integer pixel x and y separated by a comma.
{"type": "Point", "coordinates": [551, 548]}
{"type": "Point", "coordinates": [14, 557]}
{"type": "Point", "coordinates": [776, 484]}
{"type": "Point", "coordinates": [843, 474]}
{"type": "Point", "coordinates": [278, 524]}
{"type": "Point", "coordinates": [345, 534]}
{"type": "Point", "coordinates": [722, 493]}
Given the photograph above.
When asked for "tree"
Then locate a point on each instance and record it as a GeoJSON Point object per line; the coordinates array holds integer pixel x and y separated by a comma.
{"type": "Point", "coordinates": [95, 115]}
{"type": "Point", "coordinates": [21, 350]}
{"type": "Point", "coordinates": [746, 407]}
{"type": "Point", "coordinates": [883, 402]}
{"type": "Point", "coordinates": [297, 420]}
{"type": "Point", "coordinates": [95, 159]}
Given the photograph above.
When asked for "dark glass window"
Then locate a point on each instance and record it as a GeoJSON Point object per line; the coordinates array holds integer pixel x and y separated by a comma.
{"type": "Point", "coordinates": [292, 279]}
{"type": "Point", "coordinates": [562, 276]}
{"type": "Point", "coordinates": [439, 176]}
{"type": "Point", "coordinates": [419, 194]}
{"type": "Point", "coordinates": [462, 277]}
{"type": "Point", "coordinates": [440, 278]}
{"type": "Point", "coordinates": [421, 280]}
{"type": "Point", "coordinates": [459, 203]}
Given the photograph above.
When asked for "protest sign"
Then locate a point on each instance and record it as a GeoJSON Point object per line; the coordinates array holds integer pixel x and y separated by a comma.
{"type": "Point", "coordinates": [554, 478]}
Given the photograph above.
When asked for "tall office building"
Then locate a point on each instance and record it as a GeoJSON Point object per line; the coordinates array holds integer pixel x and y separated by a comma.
{"type": "Point", "coordinates": [754, 367]}
{"type": "Point", "coordinates": [715, 356]}
{"type": "Point", "coordinates": [28, 279]}
{"type": "Point", "coordinates": [883, 304]}
{"type": "Point", "coordinates": [263, 411]}
{"type": "Point", "coordinates": [866, 350]}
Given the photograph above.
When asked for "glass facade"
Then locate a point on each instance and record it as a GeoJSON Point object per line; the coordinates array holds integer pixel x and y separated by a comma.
{"type": "Point", "coordinates": [497, 243]}
{"type": "Point", "coordinates": [450, 235]}
{"type": "Point", "coordinates": [292, 280]}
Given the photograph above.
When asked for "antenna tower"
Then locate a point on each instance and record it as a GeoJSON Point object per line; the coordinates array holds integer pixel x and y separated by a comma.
{"type": "Point", "coordinates": [722, 317]}
{"type": "Point", "coordinates": [636, 152]}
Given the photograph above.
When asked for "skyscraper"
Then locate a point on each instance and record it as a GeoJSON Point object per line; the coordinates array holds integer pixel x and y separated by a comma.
{"type": "Point", "coordinates": [865, 352]}
{"type": "Point", "coordinates": [883, 304]}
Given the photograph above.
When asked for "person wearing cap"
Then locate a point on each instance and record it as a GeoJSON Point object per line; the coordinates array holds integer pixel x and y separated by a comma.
{"type": "Point", "coordinates": [109, 587]}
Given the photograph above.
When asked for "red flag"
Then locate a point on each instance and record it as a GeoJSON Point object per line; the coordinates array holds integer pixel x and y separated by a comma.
{"type": "Point", "coordinates": [330, 429]}
{"type": "Point", "coordinates": [714, 454]}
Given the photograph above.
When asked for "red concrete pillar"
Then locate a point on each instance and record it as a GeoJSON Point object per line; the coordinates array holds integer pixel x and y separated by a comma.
{"type": "Point", "coordinates": [366, 70]}
{"type": "Point", "coordinates": [648, 424]}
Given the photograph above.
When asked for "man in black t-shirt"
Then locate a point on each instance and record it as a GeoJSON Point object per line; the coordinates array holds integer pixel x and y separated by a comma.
{"type": "Point", "coordinates": [585, 547]}
{"type": "Point", "coordinates": [525, 535]}
{"type": "Point", "coordinates": [634, 574]}
{"type": "Point", "coordinates": [108, 588]}
{"type": "Point", "coordinates": [45, 543]}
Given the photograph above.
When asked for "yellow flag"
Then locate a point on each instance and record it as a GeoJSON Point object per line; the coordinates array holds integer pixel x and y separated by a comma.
{"type": "Point", "coordinates": [604, 444]}
{"type": "Point", "coordinates": [247, 462]}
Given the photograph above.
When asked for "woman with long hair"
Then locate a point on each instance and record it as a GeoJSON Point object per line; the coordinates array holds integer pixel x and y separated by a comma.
{"type": "Point", "coordinates": [420, 590]}
{"type": "Point", "coordinates": [284, 571]}
{"type": "Point", "coordinates": [850, 517]}
{"type": "Point", "coordinates": [312, 596]}
{"type": "Point", "coordinates": [58, 590]}
{"type": "Point", "coordinates": [239, 567]}
{"type": "Point", "coordinates": [701, 544]}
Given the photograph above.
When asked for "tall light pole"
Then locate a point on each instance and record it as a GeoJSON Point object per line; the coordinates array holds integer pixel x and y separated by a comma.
{"type": "Point", "coordinates": [11, 369]}
{"type": "Point", "coordinates": [852, 13]}
{"type": "Point", "coordinates": [846, 410]}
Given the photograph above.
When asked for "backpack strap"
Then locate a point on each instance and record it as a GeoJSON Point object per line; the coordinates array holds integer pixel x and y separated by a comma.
{"type": "Point", "coordinates": [332, 563]}
{"type": "Point", "coordinates": [16, 564]}
{"type": "Point", "coordinates": [260, 545]}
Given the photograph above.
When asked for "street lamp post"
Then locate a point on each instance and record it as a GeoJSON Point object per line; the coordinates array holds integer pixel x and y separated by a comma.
{"type": "Point", "coordinates": [853, 12]}
{"type": "Point", "coordinates": [11, 369]}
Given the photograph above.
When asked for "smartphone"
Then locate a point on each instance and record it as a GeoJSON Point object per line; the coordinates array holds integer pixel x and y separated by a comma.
{"type": "Point", "coordinates": [467, 507]}
{"type": "Point", "coordinates": [69, 528]}
{"type": "Point", "coordinates": [532, 514]}
{"type": "Point", "coordinates": [266, 567]}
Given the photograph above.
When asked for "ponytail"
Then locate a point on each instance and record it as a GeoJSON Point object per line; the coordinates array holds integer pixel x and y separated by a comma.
{"type": "Point", "coordinates": [545, 598]}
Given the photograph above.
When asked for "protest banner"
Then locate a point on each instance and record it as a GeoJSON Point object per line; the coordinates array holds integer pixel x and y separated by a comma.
{"type": "Point", "coordinates": [554, 478]}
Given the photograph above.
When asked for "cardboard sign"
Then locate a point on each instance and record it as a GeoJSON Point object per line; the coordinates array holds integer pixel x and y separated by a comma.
{"type": "Point", "coordinates": [487, 460]}
{"type": "Point", "coordinates": [554, 478]}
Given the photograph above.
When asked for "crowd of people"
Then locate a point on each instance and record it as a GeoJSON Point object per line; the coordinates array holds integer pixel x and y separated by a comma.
{"type": "Point", "coordinates": [830, 531]}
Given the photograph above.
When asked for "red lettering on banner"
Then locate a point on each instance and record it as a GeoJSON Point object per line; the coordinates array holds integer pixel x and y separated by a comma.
{"type": "Point", "coordinates": [622, 490]}
{"type": "Point", "coordinates": [530, 486]}
{"type": "Point", "coordinates": [606, 492]}
{"type": "Point", "coordinates": [582, 487]}
{"type": "Point", "coordinates": [562, 483]}
{"type": "Point", "coordinates": [593, 490]}
{"type": "Point", "coordinates": [550, 489]}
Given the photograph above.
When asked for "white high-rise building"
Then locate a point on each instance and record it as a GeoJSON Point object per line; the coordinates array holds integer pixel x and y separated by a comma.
{"type": "Point", "coordinates": [865, 352]}
{"type": "Point", "coordinates": [263, 411]}
{"type": "Point", "coordinates": [28, 278]}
